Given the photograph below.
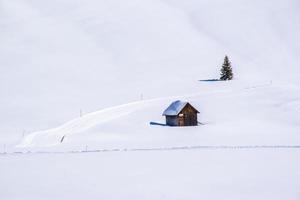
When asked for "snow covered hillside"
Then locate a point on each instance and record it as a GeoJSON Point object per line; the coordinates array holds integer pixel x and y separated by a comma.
{"type": "Point", "coordinates": [58, 57]}
{"type": "Point", "coordinates": [231, 113]}
{"type": "Point", "coordinates": [119, 64]}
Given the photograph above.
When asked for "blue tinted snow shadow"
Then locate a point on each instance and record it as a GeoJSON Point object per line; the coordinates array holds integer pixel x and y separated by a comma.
{"type": "Point", "coordinates": [210, 80]}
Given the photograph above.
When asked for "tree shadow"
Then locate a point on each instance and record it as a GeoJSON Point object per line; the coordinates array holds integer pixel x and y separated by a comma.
{"type": "Point", "coordinates": [210, 80]}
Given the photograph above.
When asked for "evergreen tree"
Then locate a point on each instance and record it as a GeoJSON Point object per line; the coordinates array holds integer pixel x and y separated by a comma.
{"type": "Point", "coordinates": [226, 71]}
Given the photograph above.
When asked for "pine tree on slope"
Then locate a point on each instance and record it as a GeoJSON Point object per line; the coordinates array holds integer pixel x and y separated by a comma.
{"type": "Point", "coordinates": [226, 71]}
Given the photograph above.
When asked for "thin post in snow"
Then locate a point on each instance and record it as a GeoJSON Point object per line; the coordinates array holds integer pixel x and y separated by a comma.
{"type": "Point", "coordinates": [142, 97]}
{"type": "Point", "coordinates": [62, 139]}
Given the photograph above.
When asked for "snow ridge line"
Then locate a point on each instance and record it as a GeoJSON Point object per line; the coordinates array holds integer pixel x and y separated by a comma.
{"type": "Point", "coordinates": [234, 147]}
{"type": "Point", "coordinates": [88, 120]}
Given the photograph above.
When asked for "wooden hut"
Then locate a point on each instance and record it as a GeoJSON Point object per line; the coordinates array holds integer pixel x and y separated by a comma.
{"type": "Point", "coordinates": [181, 113]}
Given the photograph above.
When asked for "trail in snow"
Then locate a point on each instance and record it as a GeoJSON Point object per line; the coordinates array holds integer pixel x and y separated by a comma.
{"type": "Point", "coordinates": [178, 148]}
{"type": "Point", "coordinates": [80, 124]}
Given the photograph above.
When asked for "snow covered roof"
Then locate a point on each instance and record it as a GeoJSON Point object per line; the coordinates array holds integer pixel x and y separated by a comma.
{"type": "Point", "coordinates": [175, 108]}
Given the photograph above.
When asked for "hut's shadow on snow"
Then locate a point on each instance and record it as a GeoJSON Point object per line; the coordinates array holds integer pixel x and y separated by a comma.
{"type": "Point", "coordinates": [210, 80]}
{"type": "Point", "coordinates": [157, 124]}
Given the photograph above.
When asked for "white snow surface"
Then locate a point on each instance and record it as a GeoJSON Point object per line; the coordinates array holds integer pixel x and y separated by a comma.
{"type": "Point", "coordinates": [231, 114]}
{"type": "Point", "coordinates": [122, 63]}
{"type": "Point", "coordinates": [209, 174]}
{"type": "Point", "coordinates": [59, 57]}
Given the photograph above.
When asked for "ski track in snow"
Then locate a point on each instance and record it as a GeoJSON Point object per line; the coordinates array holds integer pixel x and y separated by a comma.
{"type": "Point", "coordinates": [178, 148]}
